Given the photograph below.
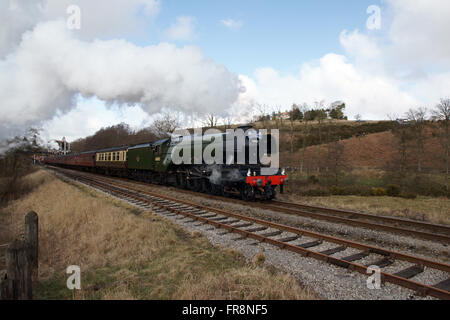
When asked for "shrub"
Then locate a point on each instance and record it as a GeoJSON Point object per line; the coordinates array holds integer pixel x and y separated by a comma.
{"type": "Point", "coordinates": [393, 190]}
{"type": "Point", "coordinates": [379, 192]}
{"type": "Point", "coordinates": [315, 192]}
{"type": "Point", "coordinates": [313, 179]}
{"type": "Point", "coordinates": [336, 191]}
{"type": "Point", "coordinates": [259, 259]}
{"type": "Point", "coordinates": [408, 195]}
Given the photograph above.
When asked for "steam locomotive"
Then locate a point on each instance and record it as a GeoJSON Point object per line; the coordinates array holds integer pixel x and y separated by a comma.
{"type": "Point", "coordinates": [238, 168]}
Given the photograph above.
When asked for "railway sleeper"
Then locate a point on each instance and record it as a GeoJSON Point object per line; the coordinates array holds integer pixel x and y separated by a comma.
{"type": "Point", "coordinates": [443, 285]}
{"type": "Point", "coordinates": [333, 250]}
{"type": "Point", "coordinates": [384, 262]}
{"type": "Point", "coordinates": [272, 234]}
{"type": "Point", "coordinates": [289, 239]}
{"type": "Point", "coordinates": [356, 256]}
{"type": "Point", "coordinates": [410, 272]}
{"type": "Point", "coordinates": [219, 219]}
{"type": "Point", "coordinates": [311, 244]}
{"type": "Point", "coordinates": [243, 225]}
{"type": "Point", "coordinates": [256, 229]}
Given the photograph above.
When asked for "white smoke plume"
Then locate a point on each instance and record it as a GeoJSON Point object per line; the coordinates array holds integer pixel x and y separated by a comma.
{"type": "Point", "coordinates": [50, 67]}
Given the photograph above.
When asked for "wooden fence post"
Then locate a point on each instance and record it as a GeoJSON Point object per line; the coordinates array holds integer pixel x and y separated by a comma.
{"type": "Point", "coordinates": [21, 263]}
{"type": "Point", "coordinates": [18, 271]}
{"type": "Point", "coordinates": [3, 286]}
{"type": "Point", "coordinates": [31, 237]}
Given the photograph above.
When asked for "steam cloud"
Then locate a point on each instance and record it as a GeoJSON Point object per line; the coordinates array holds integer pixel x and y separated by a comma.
{"type": "Point", "coordinates": [50, 67]}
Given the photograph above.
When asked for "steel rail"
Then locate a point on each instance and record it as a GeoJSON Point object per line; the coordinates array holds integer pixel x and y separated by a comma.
{"type": "Point", "coordinates": [434, 232]}
{"type": "Point", "coordinates": [419, 224]}
{"type": "Point", "coordinates": [420, 288]}
{"type": "Point", "coordinates": [281, 206]}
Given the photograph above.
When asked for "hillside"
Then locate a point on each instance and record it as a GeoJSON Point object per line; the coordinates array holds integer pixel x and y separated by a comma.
{"type": "Point", "coordinates": [375, 150]}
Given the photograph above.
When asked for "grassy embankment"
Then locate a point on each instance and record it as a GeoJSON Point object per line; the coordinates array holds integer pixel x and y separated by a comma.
{"type": "Point", "coordinates": [435, 210]}
{"type": "Point", "coordinates": [125, 253]}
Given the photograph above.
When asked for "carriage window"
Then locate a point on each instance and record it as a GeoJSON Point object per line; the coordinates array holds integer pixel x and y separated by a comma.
{"type": "Point", "coordinates": [109, 156]}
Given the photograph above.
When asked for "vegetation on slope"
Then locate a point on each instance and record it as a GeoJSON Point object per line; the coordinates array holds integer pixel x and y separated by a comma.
{"type": "Point", "coordinates": [125, 253]}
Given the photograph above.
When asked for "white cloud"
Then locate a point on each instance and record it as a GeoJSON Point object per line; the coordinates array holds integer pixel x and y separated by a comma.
{"type": "Point", "coordinates": [99, 19]}
{"type": "Point", "coordinates": [89, 116]}
{"type": "Point", "coordinates": [232, 24]}
{"type": "Point", "coordinates": [404, 65]}
{"type": "Point", "coordinates": [419, 31]}
{"type": "Point", "coordinates": [50, 67]}
{"type": "Point", "coordinates": [332, 78]}
{"type": "Point", "coordinates": [16, 17]}
{"type": "Point", "coordinates": [182, 30]}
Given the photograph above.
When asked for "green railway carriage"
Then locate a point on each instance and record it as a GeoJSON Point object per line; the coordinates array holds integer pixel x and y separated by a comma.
{"type": "Point", "coordinates": [148, 161]}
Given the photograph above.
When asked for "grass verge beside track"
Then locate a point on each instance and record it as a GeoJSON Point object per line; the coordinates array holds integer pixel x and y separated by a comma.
{"type": "Point", "coordinates": [126, 253]}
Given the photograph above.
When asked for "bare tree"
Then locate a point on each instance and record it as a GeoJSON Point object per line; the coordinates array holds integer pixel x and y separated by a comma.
{"type": "Point", "coordinates": [304, 109]}
{"type": "Point", "coordinates": [278, 119]}
{"type": "Point", "coordinates": [321, 116]}
{"type": "Point", "coordinates": [417, 119]}
{"type": "Point", "coordinates": [210, 120]}
{"type": "Point", "coordinates": [227, 122]}
{"type": "Point", "coordinates": [291, 122]}
{"type": "Point", "coordinates": [442, 114]}
{"type": "Point", "coordinates": [166, 123]}
{"type": "Point", "coordinates": [335, 159]}
{"type": "Point", "coordinates": [401, 133]}
{"type": "Point", "coordinates": [262, 109]}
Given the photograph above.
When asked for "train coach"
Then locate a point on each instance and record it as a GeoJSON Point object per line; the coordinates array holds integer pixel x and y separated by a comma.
{"type": "Point", "coordinates": [152, 163]}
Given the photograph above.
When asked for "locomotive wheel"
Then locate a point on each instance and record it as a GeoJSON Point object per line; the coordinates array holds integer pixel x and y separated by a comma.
{"type": "Point", "coordinates": [247, 193]}
{"type": "Point", "coordinates": [269, 192]}
{"type": "Point", "coordinates": [207, 186]}
{"type": "Point", "coordinates": [217, 189]}
{"type": "Point", "coordinates": [181, 180]}
{"type": "Point", "coordinates": [195, 185]}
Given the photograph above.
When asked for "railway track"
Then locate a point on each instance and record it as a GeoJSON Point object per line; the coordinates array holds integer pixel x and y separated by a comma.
{"type": "Point", "coordinates": [396, 225]}
{"type": "Point", "coordinates": [303, 242]}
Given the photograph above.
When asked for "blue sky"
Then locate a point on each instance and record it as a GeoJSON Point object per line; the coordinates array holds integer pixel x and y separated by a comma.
{"type": "Point", "coordinates": [177, 55]}
{"type": "Point", "coordinates": [279, 34]}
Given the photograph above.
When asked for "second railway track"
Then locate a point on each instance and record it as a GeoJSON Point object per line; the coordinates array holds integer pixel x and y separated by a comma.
{"type": "Point", "coordinates": [284, 237]}
{"type": "Point", "coordinates": [396, 225]}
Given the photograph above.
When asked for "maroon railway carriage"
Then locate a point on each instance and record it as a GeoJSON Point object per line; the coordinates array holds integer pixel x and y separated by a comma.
{"type": "Point", "coordinates": [84, 160]}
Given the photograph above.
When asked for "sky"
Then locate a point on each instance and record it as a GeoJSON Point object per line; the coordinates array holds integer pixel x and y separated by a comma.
{"type": "Point", "coordinates": [71, 70]}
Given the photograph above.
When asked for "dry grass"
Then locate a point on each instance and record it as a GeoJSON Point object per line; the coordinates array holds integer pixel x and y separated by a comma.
{"type": "Point", "coordinates": [436, 210]}
{"type": "Point", "coordinates": [125, 253]}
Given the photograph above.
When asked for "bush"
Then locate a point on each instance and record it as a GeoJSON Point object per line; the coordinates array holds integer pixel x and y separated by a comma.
{"type": "Point", "coordinates": [393, 190]}
{"type": "Point", "coordinates": [259, 259]}
{"type": "Point", "coordinates": [379, 192]}
{"type": "Point", "coordinates": [316, 193]}
{"type": "Point", "coordinates": [336, 191]}
{"type": "Point", "coordinates": [408, 195]}
{"type": "Point", "coordinates": [313, 179]}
